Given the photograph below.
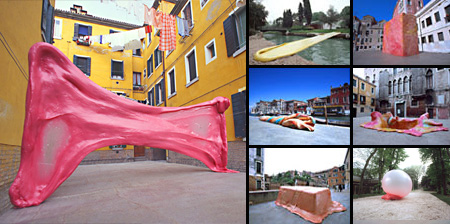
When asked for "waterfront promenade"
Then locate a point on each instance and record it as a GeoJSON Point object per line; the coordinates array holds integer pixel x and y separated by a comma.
{"type": "Point", "coordinates": [265, 133]}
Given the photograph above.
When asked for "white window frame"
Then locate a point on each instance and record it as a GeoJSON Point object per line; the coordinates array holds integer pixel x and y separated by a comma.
{"type": "Point", "coordinates": [186, 63]}
{"type": "Point", "coordinates": [154, 58]}
{"type": "Point", "coordinates": [201, 7]}
{"type": "Point", "coordinates": [159, 100]}
{"type": "Point", "coordinates": [151, 100]}
{"type": "Point", "coordinates": [243, 48]}
{"type": "Point", "coordinates": [168, 83]}
{"type": "Point", "coordinates": [192, 12]}
{"type": "Point", "coordinates": [207, 59]}
{"type": "Point", "coordinates": [123, 64]}
{"type": "Point", "coordinates": [55, 35]}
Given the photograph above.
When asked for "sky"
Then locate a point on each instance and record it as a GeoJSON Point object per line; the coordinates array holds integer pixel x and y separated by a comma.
{"type": "Point", "coordinates": [294, 83]}
{"type": "Point", "coordinates": [383, 9]}
{"type": "Point", "coordinates": [359, 72]}
{"type": "Point", "coordinates": [277, 160]}
{"type": "Point", "coordinates": [276, 7]}
{"type": "Point", "coordinates": [129, 11]}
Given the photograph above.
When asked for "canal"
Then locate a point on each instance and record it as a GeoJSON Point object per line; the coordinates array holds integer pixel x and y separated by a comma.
{"type": "Point", "coordinates": [335, 51]}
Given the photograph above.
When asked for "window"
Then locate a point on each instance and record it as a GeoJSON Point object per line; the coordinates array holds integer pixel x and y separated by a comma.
{"type": "Point", "coordinates": [258, 167]}
{"type": "Point", "coordinates": [151, 97]}
{"type": "Point", "coordinates": [430, 38]}
{"type": "Point", "coordinates": [354, 83]}
{"type": "Point", "coordinates": [203, 3]}
{"type": "Point", "coordinates": [258, 185]}
{"type": "Point", "coordinates": [423, 24]}
{"type": "Point", "coordinates": [363, 86]}
{"type": "Point", "coordinates": [355, 98]}
{"type": "Point", "coordinates": [429, 22]}
{"type": "Point", "coordinates": [362, 110]}
{"type": "Point", "coordinates": [116, 69]}
{"type": "Point", "coordinates": [414, 103]}
{"type": "Point", "coordinates": [83, 63]}
{"type": "Point", "coordinates": [424, 40]}
{"type": "Point", "coordinates": [158, 57]}
{"type": "Point", "coordinates": [395, 71]}
{"type": "Point", "coordinates": [160, 93]}
{"type": "Point", "coordinates": [372, 90]}
{"type": "Point", "coordinates": [419, 3]}
{"type": "Point", "coordinates": [362, 99]}
{"type": "Point", "coordinates": [440, 36]}
{"type": "Point", "coordinates": [235, 32]}
{"type": "Point", "coordinates": [186, 13]}
{"type": "Point", "coordinates": [409, 2]}
{"type": "Point", "coordinates": [171, 82]}
{"type": "Point", "coordinates": [136, 78]}
{"type": "Point", "coordinates": [47, 21]}
{"type": "Point", "coordinates": [150, 66]}
{"type": "Point", "coordinates": [136, 52]}
{"type": "Point", "coordinates": [258, 152]}
{"type": "Point", "coordinates": [191, 67]}
{"type": "Point", "coordinates": [81, 30]}
{"type": "Point", "coordinates": [447, 14]}
{"type": "Point", "coordinates": [437, 16]}
{"type": "Point", "coordinates": [57, 29]}
{"type": "Point", "coordinates": [145, 73]}
{"type": "Point", "coordinates": [239, 108]}
{"type": "Point", "coordinates": [210, 51]}
{"type": "Point", "coordinates": [429, 79]}
{"type": "Point", "coordinates": [149, 39]}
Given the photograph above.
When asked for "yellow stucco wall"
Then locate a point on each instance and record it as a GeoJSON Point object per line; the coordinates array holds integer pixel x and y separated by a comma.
{"type": "Point", "coordinates": [20, 28]}
{"type": "Point", "coordinates": [367, 91]}
{"type": "Point", "coordinates": [223, 76]}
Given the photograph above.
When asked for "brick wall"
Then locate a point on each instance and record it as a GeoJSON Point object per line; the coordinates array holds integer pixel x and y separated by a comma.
{"type": "Point", "coordinates": [237, 155]}
{"type": "Point", "coordinates": [9, 165]}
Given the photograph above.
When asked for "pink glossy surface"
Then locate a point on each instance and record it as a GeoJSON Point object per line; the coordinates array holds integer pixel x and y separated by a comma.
{"type": "Point", "coordinates": [68, 116]}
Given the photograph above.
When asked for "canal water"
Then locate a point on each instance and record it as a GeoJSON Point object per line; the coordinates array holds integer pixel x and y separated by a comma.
{"type": "Point", "coordinates": [335, 51]}
{"type": "Point", "coordinates": [335, 118]}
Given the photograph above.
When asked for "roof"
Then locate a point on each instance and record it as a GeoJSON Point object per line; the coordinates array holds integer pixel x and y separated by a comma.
{"type": "Point", "coordinates": [95, 19]}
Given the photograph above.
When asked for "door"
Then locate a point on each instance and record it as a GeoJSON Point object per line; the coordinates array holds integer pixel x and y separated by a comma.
{"type": "Point", "coordinates": [400, 109]}
{"type": "Point", "coordinates": [139, 151]}
{"type": "Point", "coordinates": [430, 112]}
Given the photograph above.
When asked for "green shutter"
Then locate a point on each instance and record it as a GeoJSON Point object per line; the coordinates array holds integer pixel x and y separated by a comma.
{"type": "Point", "coordinates": [75, 31]}
{"type": "Point", "coordinates": [88, 65]}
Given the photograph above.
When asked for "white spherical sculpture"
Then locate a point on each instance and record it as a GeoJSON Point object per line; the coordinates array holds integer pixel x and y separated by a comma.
{"type": "Point", "coordinates": [396, 183]}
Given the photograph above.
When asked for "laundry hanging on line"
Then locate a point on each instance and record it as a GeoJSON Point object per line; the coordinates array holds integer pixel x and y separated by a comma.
{"type": "Point", "coordinates": [167, 40]}
{"type": "Point", "coordinates": [128, 40]}
{"type": "Point", "coordinates": [183, 27]}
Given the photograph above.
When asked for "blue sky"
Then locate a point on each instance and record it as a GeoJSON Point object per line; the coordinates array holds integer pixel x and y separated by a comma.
{"type": "Point", "coordinates": [380, 9]}
{"type": "Point", "coordinates": [294, 83]}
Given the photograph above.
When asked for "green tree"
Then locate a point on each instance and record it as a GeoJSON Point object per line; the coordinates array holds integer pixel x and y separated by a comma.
{"type": "Point", "coordinates": [345, 16]}
{"type": "Point", "coordinates": [388, 159]}
{"type": "Point", "coordinates": [331, 17]}
{"type": "Point", "coordinates": [287, 18]}
{"type": "Point", "coordinates": [438, 169]}
{"type": "Point", "coordinates": [317, 16]}
{"type": "Point", "coordinates": [308, 12]}
{"type": "Point", "coordinates": [258, 14]}
{"type": "Point", "coordinates": [279, 21]}
{"type": "Point", "coordinates": [300, 13]}
{"type": "Point", "coordinates": [361, 184]}
{"type": "Point", "coordinates": [414, 172]}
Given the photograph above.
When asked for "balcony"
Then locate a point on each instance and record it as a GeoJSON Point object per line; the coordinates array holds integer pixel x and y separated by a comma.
{"type": "Point", "coordinates": [139, 88]}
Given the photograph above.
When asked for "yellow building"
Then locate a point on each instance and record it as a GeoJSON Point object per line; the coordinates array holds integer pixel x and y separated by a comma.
{"type": "Point", "coordinates": [364, 99]}
{"type": "Point", "coordinates": [210, 62]}
{"type": "Point", "coordinates": [23, 23]}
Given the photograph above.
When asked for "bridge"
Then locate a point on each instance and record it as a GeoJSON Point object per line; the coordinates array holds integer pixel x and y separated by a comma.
{"type": "Point", "coordinates": [279, 29]}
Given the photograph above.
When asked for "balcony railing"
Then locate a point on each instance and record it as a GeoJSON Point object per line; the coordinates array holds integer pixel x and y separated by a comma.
{"type": "Point", "coordinates": [140, 88]}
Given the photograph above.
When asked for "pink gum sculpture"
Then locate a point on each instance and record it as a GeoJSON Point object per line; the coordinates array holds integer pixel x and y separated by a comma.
{"type": "Point", "coordinates": [68, 116]}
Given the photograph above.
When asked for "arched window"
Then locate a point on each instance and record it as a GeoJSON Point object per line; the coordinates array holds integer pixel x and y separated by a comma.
{"type": "Point", "coordinates": [390, 87]}
{"type": "Point", "coordinates": [393, 87]}
{"type": "Point", "coordinates": [410, 84]}
{"type": "Point", "coordinates": [429, 77]}
{"type": "Point", "coordinates": [400, 90]}
{"type": "Point", "coordinates": [405, 84]}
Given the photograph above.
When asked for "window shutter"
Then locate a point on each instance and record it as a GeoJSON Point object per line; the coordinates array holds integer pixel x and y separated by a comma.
{"type": "Point", "coordinates": [89, 30]}
{"type": "Point", "coordinates": [148, 67]}
{"type": "Point", "coordinates": [122, 71]}
{"type": "Point", "coordinates": [75, 31]}
{"type": "Point", "coordinates": [229, 27]}
{"type": "Point", "coordinates": [44, 15]}
{"type": "Point", "coordinates": [49, 29]}
{"type": "Point", "coordinates": [192, 70]}
{"type": "Point", "coordinates": [163, 90]}
{"type": "Point", "coordinates": [75, 60]}
{"type": "Point", "coordinates": [157, 94]}
{"type": "Point", "coordinates": [112, 68]}
{"type": "Point", "coordinates": [239, 102]}
{"type": "Point", "coordinates": [88, 69]}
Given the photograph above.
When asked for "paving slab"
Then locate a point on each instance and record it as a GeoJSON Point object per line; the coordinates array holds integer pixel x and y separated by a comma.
{"type": "Point", "coordinates": [141, 192]}
{"type": "Point", "coordinates": [364, 136]}
{"type": "Point", "coordinates": [380, 58]}
{"type": "Point", "coordinates": [266, 133]}
{"type": "Point", "coordinates": [270, 213]}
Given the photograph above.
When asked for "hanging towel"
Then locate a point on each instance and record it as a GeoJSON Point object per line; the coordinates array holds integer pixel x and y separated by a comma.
{"type": "Point", "coordinates": [131, 40]}
{"type": "Point", "coordinates": [117, 41]}
{"type": "Point", "coordinates": [180, 26]}
{"type": "Point", "coordinates": [142, 31]}
{"type": "Point", "coordinates": [146, 15]}
{"type": "Point", "coordinates": [148, 29]}
{"type": "Point", "coordinates": [186, 27]}
{"type": "Point", "coordinates": [168, 36]}
{"type": "Point", "coordinates": [94, 39]}
{"type": "Point", "coordinates": [153, 17]}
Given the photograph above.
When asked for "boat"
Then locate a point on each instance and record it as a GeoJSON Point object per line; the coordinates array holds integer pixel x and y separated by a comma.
{"type": "Point", "coordinates": [334, 110]}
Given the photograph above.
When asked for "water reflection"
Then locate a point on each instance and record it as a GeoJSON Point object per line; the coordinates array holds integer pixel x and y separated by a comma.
{"type": "Point", "coordinates": [328, 52]}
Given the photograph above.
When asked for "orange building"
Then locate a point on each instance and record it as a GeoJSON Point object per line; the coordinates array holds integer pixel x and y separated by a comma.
{"type": "Point", "coordinates": [336, 176]}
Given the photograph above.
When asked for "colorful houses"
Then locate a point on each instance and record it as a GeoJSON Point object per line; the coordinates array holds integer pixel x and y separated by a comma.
{"type": "Point", "coordinates": [364, 99]}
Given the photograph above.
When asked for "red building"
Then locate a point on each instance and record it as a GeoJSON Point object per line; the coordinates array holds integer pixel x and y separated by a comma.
{"type": "Point", "coordinates": [341, 96]}
{"type": "Point", "coordinates": [336, 176]}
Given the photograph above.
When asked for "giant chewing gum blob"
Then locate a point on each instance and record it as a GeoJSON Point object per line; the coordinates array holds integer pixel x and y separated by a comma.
{"type": "Point", "coordinates": [397, 184]}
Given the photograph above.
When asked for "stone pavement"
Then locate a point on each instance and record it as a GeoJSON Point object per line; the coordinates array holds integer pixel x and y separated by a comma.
{"type": "Point", "coordinates": [364, 136]}
{"type": "Point", "coordinates": [270, 213]}
{"type": "Point", "coordinates": [265, 133]}
{"type": "Point", "coordinates": [141, 192]}
{"type": "Point", "coordinates": [380, 58]}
